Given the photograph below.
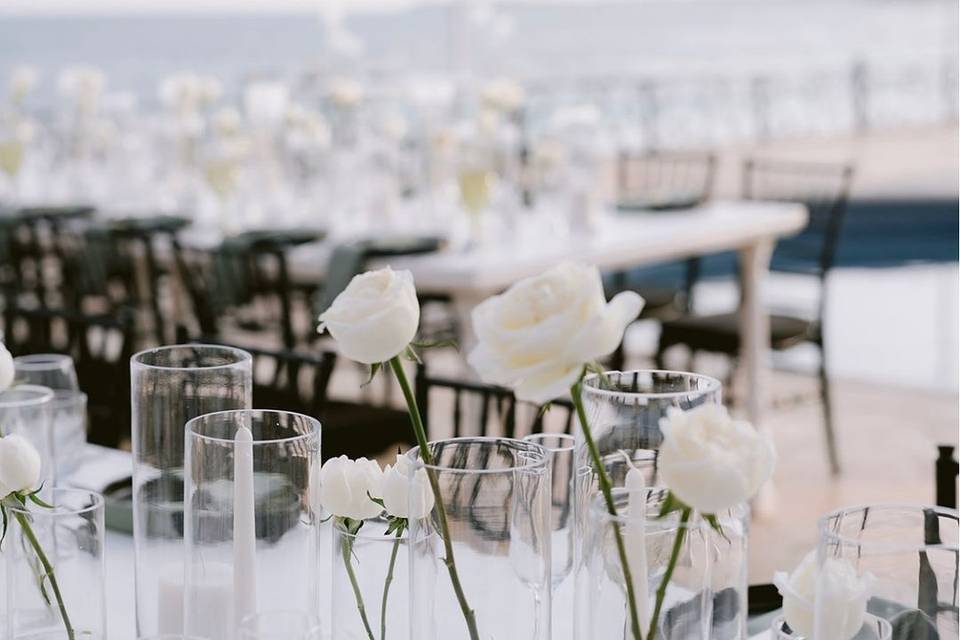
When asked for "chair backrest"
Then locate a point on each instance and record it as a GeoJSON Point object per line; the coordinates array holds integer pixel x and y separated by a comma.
{"type": "Point", "coordinates": [823, 188]}
{"type": "Point", "coordinates": [476, 409]}
{"type": "Point", "coordinates": [101, 347]}
{"type": "Point", "coordinates": [665, 179]}
{"type": "Point", "coordinates": [946, 477]}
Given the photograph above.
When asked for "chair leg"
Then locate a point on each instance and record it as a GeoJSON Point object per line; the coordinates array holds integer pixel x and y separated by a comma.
{"type": "Point", "coordinates": [828, 415]}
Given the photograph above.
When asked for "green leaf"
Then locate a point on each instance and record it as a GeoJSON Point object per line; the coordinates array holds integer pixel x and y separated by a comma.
{"type": "Point", "coordinates": [411, 355]}
{"type": "Point", "coordinates": [595, 367]}
{"type": "Point", "coordinates": [715, 525]}
{"type": "Point", "coordinates": [6, 521]}
{"type": "Point", "coordinates": [396, 525]}
{"type": "Point", "coordinates": [378, 501]}
{"type": "Point", "coordinates": [37, 501]}
{"type": "Point", "coordinates": [435, 344]}
{"type": "Point", "coordinates": [544, 408]}
{"type": "Point", "coordinates": [670, 504]}
{"type": "Point", "coordinates": [352, 526]}
{"type": "Point", "coordinates": [374, 368]}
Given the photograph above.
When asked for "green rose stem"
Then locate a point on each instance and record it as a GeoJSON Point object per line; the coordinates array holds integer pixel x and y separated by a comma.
{"type": "Point", "coordinates": [387, 583]}
{"type": "Point", "coordinates": [347, 547]}
{"type": "Point", "coordinates": [421, 434]}
{"type": "Point", "coordinates": [674, 556]}
{"type": "Point", "coordinates": [576, 392]}
{"type": "Point", "coordinates": [47, 567]}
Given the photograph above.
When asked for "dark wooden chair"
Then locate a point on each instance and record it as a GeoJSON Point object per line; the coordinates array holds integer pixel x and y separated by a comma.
{"type": "Point", "coordinates": [475, 407]}
{"type": "Point", "coordinates": [100, 345]}
{"type": "Point", "coordinates": [946, 477]}
{"type": "Point", "coordinates": [299, 381]}
{"type": "Point", "coordinates": [660, 182]}
{"type": "Point", "coordinates": [824, 189]}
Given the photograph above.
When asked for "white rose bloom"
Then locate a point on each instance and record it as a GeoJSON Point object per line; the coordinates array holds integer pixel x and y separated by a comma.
{"type": "Point", "coordinates": [346, 486]}
{"type": "Point", "coordinates": [710, 461]}
{"type": "Point", "coordinates": [7, 369]}
{"type": "Point", "coordinates": [537, 336]}
{"type": "Point", "coordinates": [843, 603]}
{"type": "Point", "coordinates": [345, 92]}
{"type": "Point", "coordinates": [23, 80]}
{"type": "Point", "coordinates": [397, 497]}
{"type": "Point", "coordinates": [19, 465]}
{"type": "Point", "coordinates": [375, 317]}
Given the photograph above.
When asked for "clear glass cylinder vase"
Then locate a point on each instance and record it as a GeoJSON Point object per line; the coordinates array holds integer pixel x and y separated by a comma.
{"type": "Point", "coordinates": [624, 408]}
{"type": "Point", "coordinates": [907, 555]}
{"type": "Point", "coordinates": [706, 595]}
{"type": "Point", "coordinates": [251, 530]}
{"type": "Point", "coordinates": [371, 583]}
{"type": "Point", "coordinates": [488, 534]}
{"type": "Point", "coordinates": [27, 410]}
{"type": "Point", "coordinates": [169, 386]}
{"type": "Point", "coordinates": [71, 537]}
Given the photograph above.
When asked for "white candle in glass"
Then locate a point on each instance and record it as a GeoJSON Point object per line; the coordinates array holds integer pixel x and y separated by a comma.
{"type": "Point", "coordinates": [244, 528]}
{"type": "Point", "coordinates": [635, 540]}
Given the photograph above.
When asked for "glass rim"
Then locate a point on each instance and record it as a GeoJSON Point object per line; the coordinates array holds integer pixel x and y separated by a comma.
{"type": "Point", "coordinates": [241, 357]}
{"type": "Point", "coordinates": [97, 504]}
{"type": "Point", "coordinates": [36, 361]}
{"type": "Point", "coordinates": [415, 451]}
{"type": "Point", "coordinates": [566, 437]}
{"type": "Point", "coordinates": [68, 395]}
{"type": "Point", "coordinates": [828, 535]}
{"type": "Point", "coordinates": [598, 507]}
{"type": "Point", "coordinates": [43, 396]}
{"type": "Point", "coordinates": [315, 426]}
{"type": "Point", "coordinates": [712, 384]}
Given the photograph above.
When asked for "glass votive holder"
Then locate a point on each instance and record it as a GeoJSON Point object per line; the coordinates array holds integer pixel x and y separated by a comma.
{"type": "Point", "coordinates": [251, 531]}
{"type": "Point", "coordinates": [279, 625]}
{"type": "Point", "coordinates": [624, 409]}
{"type": "Point", "coordinates": [53, 370]}
{"type": "Point", "coordinates": [873, 628]}
{"type": "Point", "coordinates": [70, 537]}
{"type": "Point", "coordinates": [26, 409]}
{"type": "Point", "coordinates": [68, 430]}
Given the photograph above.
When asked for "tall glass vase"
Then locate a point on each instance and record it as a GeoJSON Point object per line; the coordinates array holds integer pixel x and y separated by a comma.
{"type": "Point", "coordinates": [71, 536]}
{"type": "Point", "coordinates": [169, 386]}
{"type": "Point", "coordinates": [624, 409]}
{"type": "Point", "coordinates": [706, 597]}
{"type": "Point", "coordinates": [371, 583]}
{"type": "Point", "coordinates": [250, 527]}
{"type": "Point", "coordinates": [490, 534]}
{"type": "Point", "coordinates": [907, 554]}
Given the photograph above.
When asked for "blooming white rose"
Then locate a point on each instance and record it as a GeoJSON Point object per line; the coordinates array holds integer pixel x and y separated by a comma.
{"type": "Point", "coordinates": [345, 92]}
{"type": "Point", "coordinates": [503, 94]}
{"type": "Point", "coordinates": [19, 465]}
{"type": "Point", "coordinates": [375, 317]}
{"type": "Point", "coordinates": [843, 602]}
{"type": "Point", "coordinates": [710, 461]}
{"type": "Point", "coordinates": [346, 486]}
{"type": "Point", "coordinates": [7, 368]}
{"type": "Point", "coordinates": [398, 499]}
{"type": "Point", "coordinates": [23, 79]}
{"type": "Point", "coordinates": [537, 336]}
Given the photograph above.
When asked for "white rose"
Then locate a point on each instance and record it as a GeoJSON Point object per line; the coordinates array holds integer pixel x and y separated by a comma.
{"type": "Point", "coordinates": [7, 368]}
{"type": "Point", "coordinates": [537, 336]}
{"type": "Point", "coordinates": [375, 317]}
{"type": "Point", "coordinates": [843, 603]}
{"type": "Point", "coordinates": [345, 92]}
{"type": "Point", "coordinates": [710, 461]}
{"type": "Point", "coordinates": [398, 499]}
{"type": "Point", "coordinates": [23, 79]}
{"type": "Point", "coordinates": [19, 465]}
{"type": "Point", "coordinates": [346, 486]}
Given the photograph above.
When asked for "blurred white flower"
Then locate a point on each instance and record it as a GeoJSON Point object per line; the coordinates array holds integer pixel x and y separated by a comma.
{"type": "Point", "coordinates": [394, 127]}
{"type": "Point", "coordinates": [82, 84]}
{"type": "Point", "coordinates": [307, 128]}
{"type": "Point", "coordinates": [226, 121]}
{"type": "Point", "coordinates": [710, 461]}
{"type": "Point", "coordinates": [19, 465]}
{"type": "Point", "coordinates": [375, 317]}
{"type": "Point", "coordinates": [25, 130]}
{"type": "Point", "coordinates": [345, 92]}
{"type": "Point", "coordinates": [843, 602]}
{"type": "Point", "coordinates": [7, 369]}
{"type": "Point", "coordinates": [398, 499]}
{"type": "Point", "coordinates": [346, 487]}
{"type": "Point", "coordinates": [503, 94]}
{"type": "Point", "coordinates": [266, 102]}
{"type": "Point", "coordinates": [538, 335]}
{"type": "Point", "coordinates": [23, 80]}
{"type": "Point", "coordinates": [188, 92]}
